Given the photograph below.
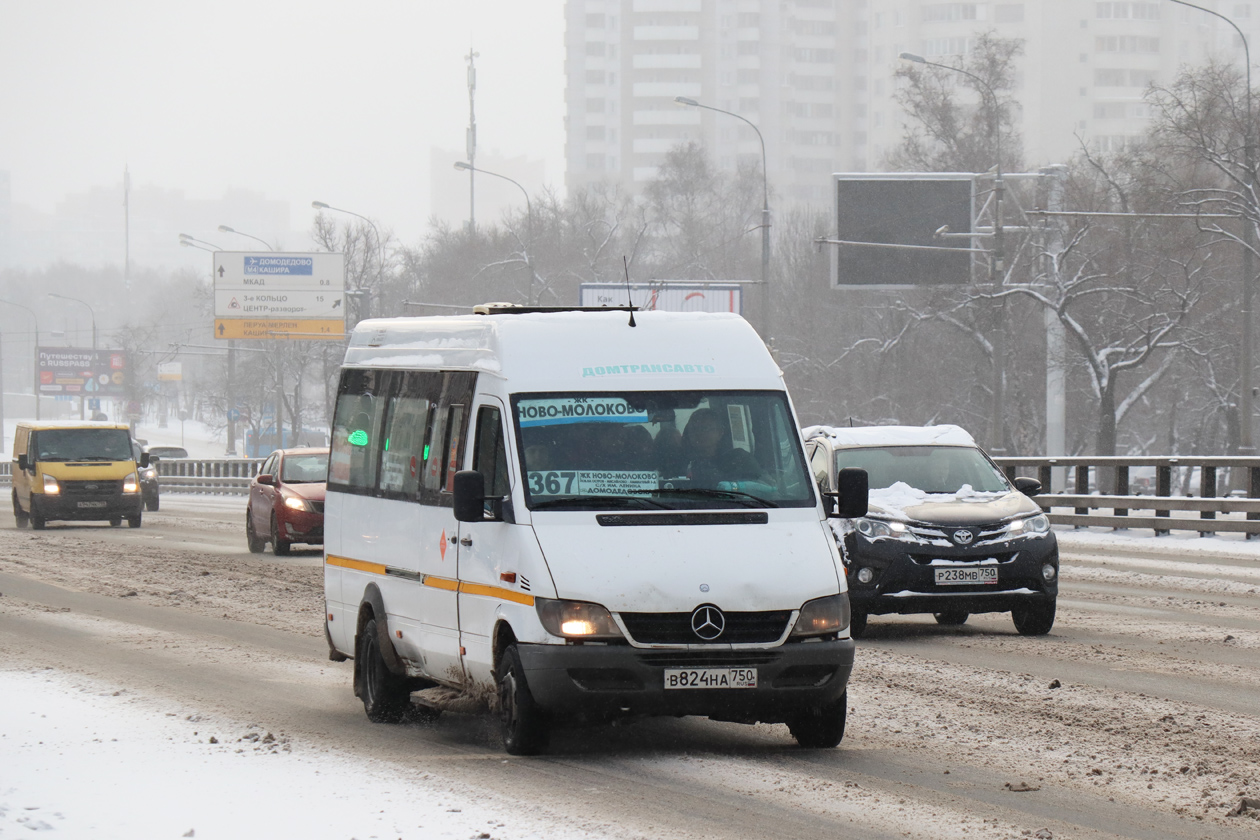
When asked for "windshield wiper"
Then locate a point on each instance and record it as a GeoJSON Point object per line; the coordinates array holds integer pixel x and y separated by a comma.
{"type": "Point", "coordinates": [735, 495]}
{"type": "Point", "coordinates": [595, 501]}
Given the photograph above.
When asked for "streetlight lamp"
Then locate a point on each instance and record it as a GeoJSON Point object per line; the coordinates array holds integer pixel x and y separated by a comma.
{"type": "Point", "coordinates": [380, 250]}
{"type": "Point", "coordinates": [226, 229]}
{"type": "Point", "coordinates": [193, 242]}
{"type": "Point", "coordinates": [765, 211]}
{"type": "Point", "coordinates": [529, 219]}
{"type": "Point", "coordinates": [34, 355]}
{"type": "Point", "coordinates": [1246, 442]}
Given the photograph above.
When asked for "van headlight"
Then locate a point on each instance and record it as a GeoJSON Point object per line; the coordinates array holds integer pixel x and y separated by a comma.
{"type": "Point", "coordinates": [131, 484]}
{"type": "Point", "coordinates": [51, 486]}
{"type": "Point", "coordinates": [872, 528]}
{"type": "Point", "coordinates": [576, 619]}
{"type": "Point", "coordinates": [1038, 524]}
{"type": "Point", "coordinates": [823, 616]}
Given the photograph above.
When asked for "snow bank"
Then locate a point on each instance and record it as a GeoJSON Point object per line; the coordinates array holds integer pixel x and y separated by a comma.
{"type": "Point", "coordinates": [944, 435]}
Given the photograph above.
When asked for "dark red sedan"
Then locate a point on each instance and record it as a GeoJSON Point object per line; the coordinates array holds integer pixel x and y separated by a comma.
{"type": "Point", "coordinates": [286, 500]}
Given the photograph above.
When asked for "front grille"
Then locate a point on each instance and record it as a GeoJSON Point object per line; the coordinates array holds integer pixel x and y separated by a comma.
{"type": "Point", "coordinates": [702, 659]}
{"type": "Point", "coordinates": [318, 506]}
{"type": "Point", "coordinates": [981, 533]}
{"type": "Point", "coordinates": [107, 487]}
{"type": "Point", "coordinates": [977, 556]}
{"type": "Point", "coordinates": [675, 628]}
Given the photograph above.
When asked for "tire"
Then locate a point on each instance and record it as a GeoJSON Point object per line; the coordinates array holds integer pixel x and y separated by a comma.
{"type": "Point", "coordinates": [134, 521]}
{"type": "Point", "coordinates": [20, 517]}
{"type": "Point", "coordinates": [386, 696]}
{"type": "Point", "coordinates": [279, 547]}
{"type": "Point", "coordinates": [152, 504]}
{"type": "Point", "coordinates": [256, 543]}
{"type": "Point", "coordinates": [115, 521]}
{"type": "Point", "coordinates": [857, 624]}
{"type": "Point", "coordinates": [1035, 619]}
{"type": "Point", "coordinates": [524, 726]}
{"type": "Point", "coordinates": [821, 728]}
{"type": "Point", "coordinates": [952, 618]}
{"type": "Point", "coordinates": [38, 522]}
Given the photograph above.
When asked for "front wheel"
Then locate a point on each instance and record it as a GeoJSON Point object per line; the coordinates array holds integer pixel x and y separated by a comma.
{"type": "Point", "coordinates": [857, 623]}
{"type": "Point", "coordinates": [523, 724]}
{"type": "Point", "coordinates": [386, 696]}
{"type": "Point", "coordinates": [823, 727]}
{"type": "Point", "coordinates": [115, 521]}
{"type": "Point", "coordinates": [952, 618]}
{"type": "Point", "coordinates": [256, 543]}
{"type": "Point", "coordinates": [1034, 619]}
{"type": "Point", "coordinates": [20, 517]}
{"type": "Point", "coordinates": [38, 522]}
{"type": "Point", "coordinates": [279, 547]}
{"type": "Point", "coordinates": [152, 504]}
{"type": "Point", "coordinates": [134, 521]}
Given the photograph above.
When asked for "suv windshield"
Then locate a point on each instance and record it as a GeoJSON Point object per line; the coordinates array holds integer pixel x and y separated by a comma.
{"type": "Point", "coordinates": [82, 445]}
{"type": "Point", "coordinates": [932, 469]}
{"type": "Point", "coordinates": [660, 449]}
{"type": "Point", "coordinates": [305, 468]}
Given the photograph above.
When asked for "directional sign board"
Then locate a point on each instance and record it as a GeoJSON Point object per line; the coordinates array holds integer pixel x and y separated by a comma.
{"type": "Point", "coordinates": [275, 295]}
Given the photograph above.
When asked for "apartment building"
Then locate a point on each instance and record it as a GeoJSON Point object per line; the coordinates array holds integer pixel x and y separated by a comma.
{"type": "Point", "coordinates": [818, 77]}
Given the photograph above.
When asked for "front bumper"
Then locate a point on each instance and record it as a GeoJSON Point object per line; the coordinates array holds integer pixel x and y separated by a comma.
{"type": "Point", "coordinates": [302, 526]}
{"type": "Point", "coordinates": [604, 681]}
{"type": "Point", "coordinates": [83, 507]}
{"type": "Point", "coordinates": [905, 581]}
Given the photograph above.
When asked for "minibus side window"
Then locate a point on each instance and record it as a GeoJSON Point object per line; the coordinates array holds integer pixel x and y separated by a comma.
{"type": "Point", "coordinates": [445, 438]}
{"type": "Point", "coordinates": [489, 455]}
{"type": "Point", "coordinates": [406, 426]}
{"type": "Point", "coordinates": [356, 440]}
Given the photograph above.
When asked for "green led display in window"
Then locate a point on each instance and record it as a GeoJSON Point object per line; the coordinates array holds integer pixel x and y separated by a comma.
{"type": "Point", "coordinates": [358, 438]}
{"type": "Point", "coordinates": [386, 444]}
{"type": "Point", "coordinates": [426, 452]}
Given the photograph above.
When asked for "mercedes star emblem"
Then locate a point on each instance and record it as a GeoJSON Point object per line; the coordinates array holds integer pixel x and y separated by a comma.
{"type": "Point", "coordinates": [707, 622]}
{"type": "Point", "coordinates": [963, 537]}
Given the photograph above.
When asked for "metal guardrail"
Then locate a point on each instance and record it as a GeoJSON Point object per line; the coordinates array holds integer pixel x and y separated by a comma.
{"type": "Point", "coordinates": [225, 476]}
{"type": "Point", "coordinates": [1086, 474]}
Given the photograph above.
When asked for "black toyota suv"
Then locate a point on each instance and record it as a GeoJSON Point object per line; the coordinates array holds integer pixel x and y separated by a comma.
{"type": "Point", "coordinates": [946, 532]}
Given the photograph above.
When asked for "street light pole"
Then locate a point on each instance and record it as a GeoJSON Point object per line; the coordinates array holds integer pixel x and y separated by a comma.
{"type": "Point", "coordinates": [380, 249]}
{"type": "Point", "coordinates": [226, 229]}
{"type": "Point", "coordinates": [1246, 440]}
{"type": "Point", "coordinates": [82, 396]}
{"type": "Point", "coordinates": [765, 214]}
{"type": "Point", "coordinates": [529, 220]}
{"type": "Point", "coordinates": [34, 354]}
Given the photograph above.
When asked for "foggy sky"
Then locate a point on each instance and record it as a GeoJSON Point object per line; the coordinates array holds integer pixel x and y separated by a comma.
{"type": "Point", "coordinates": [300, 100]}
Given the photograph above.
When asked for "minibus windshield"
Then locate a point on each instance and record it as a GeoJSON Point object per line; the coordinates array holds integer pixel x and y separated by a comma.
{"type": "Point", "coordinates": [82, 445]}
{"type": "Point", "coordinates": [660, 449]}
{"type": "Point", "coordinates": [932, 469]}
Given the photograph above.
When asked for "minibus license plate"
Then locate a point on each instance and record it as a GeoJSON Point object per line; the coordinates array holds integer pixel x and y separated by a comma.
{"type": "Point", "coordinates": [710, 677]}
{"type": "Point", "coordinates": [958, 577]}
{"type": "Point", "coordinates": [91, 504]}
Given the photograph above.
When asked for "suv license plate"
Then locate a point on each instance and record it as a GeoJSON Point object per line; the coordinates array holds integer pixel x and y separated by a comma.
{"type": "Point", "coordinates": [961, 576]}
{"type": "Point", "coordinates": [710, 677]}
{"type": "Point", "coordinates": [92, 504]}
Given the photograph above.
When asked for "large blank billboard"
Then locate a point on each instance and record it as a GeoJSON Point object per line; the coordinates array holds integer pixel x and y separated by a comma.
{"type": "Point", "coordinates": [902, 209]}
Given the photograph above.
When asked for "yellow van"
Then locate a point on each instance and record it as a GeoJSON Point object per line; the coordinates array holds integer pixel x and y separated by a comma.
{"type": "Point", "coordinates": [75, 470]}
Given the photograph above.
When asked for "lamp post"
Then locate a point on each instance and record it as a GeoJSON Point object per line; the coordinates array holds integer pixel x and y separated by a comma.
{"type": "Point", "coordinates": [380, 251]}
{"type": "Point", "coordinates": [1246, 441]}
{"type": "Point", "coordinates": [34, 354]}
{"type": "Point", "coordinates": [765, 212]}
{"type": "Point", "coordinates": [193, 242]}
{"type": "Point", "coordinates": [226, 229]}
{"type": "Point", "coordinates": [82, 397]}
{"type": "Point", "coordinates": [529, 219]}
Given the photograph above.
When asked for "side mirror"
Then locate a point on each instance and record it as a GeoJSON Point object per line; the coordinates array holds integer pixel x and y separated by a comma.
{"type": "Point", "coordinates": [1028, 486]}
{"type": "Point", "coordinates": [24, 463]}
{"type": "Point", "coordinates": [470, 496]}
{"type": "Point", "coordinates": [852, 494]}
{"type": "Point", "coordinates": [144, 459]}
{"type": "Point", "coordinates": [269, 480]}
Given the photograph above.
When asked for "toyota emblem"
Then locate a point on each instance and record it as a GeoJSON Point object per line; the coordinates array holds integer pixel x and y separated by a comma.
{"type": "Point", "coordinates": [707, 622]}
{"type": "Point", "coordinates": [963, 537]}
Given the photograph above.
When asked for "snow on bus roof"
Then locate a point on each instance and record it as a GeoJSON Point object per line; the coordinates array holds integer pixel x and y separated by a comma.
{"type": "Point", "coordinates": [943, 435]}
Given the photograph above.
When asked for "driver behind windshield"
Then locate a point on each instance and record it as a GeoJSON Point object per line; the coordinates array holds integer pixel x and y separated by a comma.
{"type": "Point", "coordinates": [711, 458]}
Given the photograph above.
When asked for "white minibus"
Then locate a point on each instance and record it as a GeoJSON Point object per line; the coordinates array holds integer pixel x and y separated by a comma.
{"type": "Point", "coordinates": [568, 515]}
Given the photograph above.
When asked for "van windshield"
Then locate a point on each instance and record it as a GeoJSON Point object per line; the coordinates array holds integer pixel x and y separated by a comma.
{"type": "Point", "coordinates": [660, 449]}
{"type": "Point", "coordinates": [932, 469]}
{"type": "Point", "coordinates": [82, 445]}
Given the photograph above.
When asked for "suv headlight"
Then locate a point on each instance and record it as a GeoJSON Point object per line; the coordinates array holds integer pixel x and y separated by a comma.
{"type": "Point", "coordinates": [576, 619]}
{"type": "Point", "coordinates": [131, 484]}
{"type": "Point", "coordinates": [872, 528]}
{"type": "Point", "coordinates": [1038, 524]}
{"type": "Point", "coordinates": [148, 472]}
{"type": "Point", "coordinates": [822, 616]}
{"type": "Point", "coordinates": [51, 487]}
{"type": "Point", "coordinates": [297, 503]}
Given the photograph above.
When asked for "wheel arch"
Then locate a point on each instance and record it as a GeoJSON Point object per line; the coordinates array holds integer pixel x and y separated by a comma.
{"type": "Point", "coordinates": [372, 605]}
{"type": "Point", "coordinates": [502, 637]}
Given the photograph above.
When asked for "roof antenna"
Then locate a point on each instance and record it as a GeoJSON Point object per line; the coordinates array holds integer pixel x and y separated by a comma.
{"type": "Point", "coordinates": [850, 422]}
{"type": "Point", "coordinates": [629, 300]}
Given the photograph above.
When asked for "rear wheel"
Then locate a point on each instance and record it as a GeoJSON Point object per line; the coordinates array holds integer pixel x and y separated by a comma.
{"type": "Point", "coordinates": [857, 623]}
{"type": "Point", "coordinates": [279, 547]}
{"type": "Point", "coordinates": [255, 542]}
{"type": "Point", "coordinates": [1034, 619]}
{"type": "Point", "coordinates": [952, 618]}
{"type": "Point", "coordinates": [386, 696]}
{"type": "Point", "coordinates": [524, 725]}
{"type": "Point", "coordinates": [821, 728]}
{"type": "Point", "coordinates": [20, 517]}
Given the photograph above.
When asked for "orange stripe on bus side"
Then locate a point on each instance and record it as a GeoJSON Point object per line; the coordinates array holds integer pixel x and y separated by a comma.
{"type": "Point", "coordinates": [360, 565]}
{"type": "Point", "coordinates": [438, 582]}
{"type": "Point", "coordinates": [441, 583]}
{"type": "Point", "coordinates": [496, 592]}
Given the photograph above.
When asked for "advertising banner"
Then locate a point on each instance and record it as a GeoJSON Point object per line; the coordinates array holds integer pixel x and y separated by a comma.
{"type": "Point", "coordinates": [75, 371]}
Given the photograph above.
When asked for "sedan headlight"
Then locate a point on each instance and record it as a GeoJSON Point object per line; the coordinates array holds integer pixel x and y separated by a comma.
{"type": "Point", "coordinates": [1038, 524]}
{"type": "Point", "coordinates": [872, 528]}
{"type": "Point", "coordinates": [823, 616]}
{"type": "Point", "coordinates": [131, 484]}
{"type": "Point", "coordinates": [51, 487]}
{"type": "Point", "coordinates": [576, 619]}
{"type": "Point", "coordinates": [297, 503]}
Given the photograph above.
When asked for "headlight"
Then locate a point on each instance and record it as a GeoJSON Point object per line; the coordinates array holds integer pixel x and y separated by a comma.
{"type": "Point", "coordinates": [872, 528]}
{"type": "Point", "coordinates": [148, 473]}
{"type": "Point", "coordinates": [1038, 524]}
{"type": "Point", "coordinates": [131, 484]}
{"type": "Point", "coordinates": [576, 619]}
{"type": "Point", "coordinates": [51, 487]}
{"type": "Point", "coordinates": [297, 503]}
{"type": "Point", "coordinates": [822, 616]}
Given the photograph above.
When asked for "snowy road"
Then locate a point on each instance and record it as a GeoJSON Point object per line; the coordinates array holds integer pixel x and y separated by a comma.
{"type": "Point", "coordinates": [1151, 728]}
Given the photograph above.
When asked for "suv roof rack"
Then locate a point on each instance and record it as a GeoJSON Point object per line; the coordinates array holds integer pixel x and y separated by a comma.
{"type": "Point", "coordinates": [518, 309]}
